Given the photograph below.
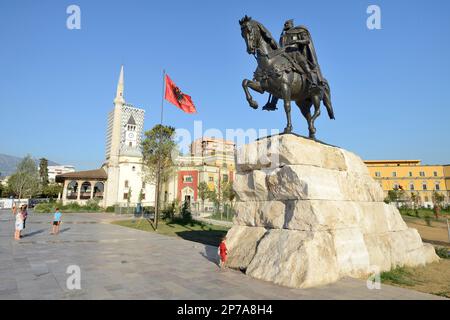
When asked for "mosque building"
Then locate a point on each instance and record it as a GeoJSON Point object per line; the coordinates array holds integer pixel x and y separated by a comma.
{"type": "Point", "coordinates": [120, 180]}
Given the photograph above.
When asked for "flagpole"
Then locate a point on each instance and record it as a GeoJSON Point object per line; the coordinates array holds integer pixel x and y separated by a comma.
{"type": "Point", "coordinates": [158, 179]}
{"type": "Point", "coordinates": [162, 96]}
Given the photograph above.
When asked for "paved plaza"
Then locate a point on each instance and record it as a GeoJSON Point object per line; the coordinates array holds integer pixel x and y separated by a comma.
{"type": "Point", "coordinates": [123, 263]}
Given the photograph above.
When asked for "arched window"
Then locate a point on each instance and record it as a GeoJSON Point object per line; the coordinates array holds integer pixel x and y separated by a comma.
{"type": "Point", "coordinates": [85, 192]}
{"type": "Point", "coordinates": [72, 190]}
{"type": "Point", "coordinates": [99, 187]}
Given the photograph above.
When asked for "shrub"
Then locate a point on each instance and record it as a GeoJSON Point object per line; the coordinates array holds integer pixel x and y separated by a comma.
{"type": "Point", "coordinates": [44, 208]}
{"type": "Point", "coordinates": [149, 209]}
{"type": "Point", "coordinates": [91, 205]}
{"type": "Point", "coordinates": [442, 252]}
{"type": "Point", "coordinates": [186, 212]}
{"type": "Point", "coordinates": [73, 207]}
{"type": "Point", "coordinates": [110, 209]}
{"type": "Point", "coordinates": [399, 276]}
{"type": "Point", "coordinates": [169, 211]}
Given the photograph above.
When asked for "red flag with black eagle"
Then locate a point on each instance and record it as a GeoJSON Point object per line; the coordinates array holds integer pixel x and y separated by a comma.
{"type": "Point", "coordinates": [181, 100]}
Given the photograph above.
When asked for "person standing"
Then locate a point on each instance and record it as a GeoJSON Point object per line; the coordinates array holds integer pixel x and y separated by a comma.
{"type": "Point", "coordinates": [18, 225]}
{"type": "Point", "coordinates": [223, 251]}
{"type": "Point", "coordinates": [56, 221]}
{"type": "Point", "coordinates": [24, 215]}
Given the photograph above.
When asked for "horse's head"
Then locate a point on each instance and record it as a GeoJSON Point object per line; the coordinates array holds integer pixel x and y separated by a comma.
{"type": "Point", "coordinates": [248, 32]}
{"type": "Point", "coordinates": [253, 32]}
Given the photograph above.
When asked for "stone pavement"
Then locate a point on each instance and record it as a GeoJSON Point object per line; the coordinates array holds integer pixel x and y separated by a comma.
{"type": "Point", "coordinates": [123, 263]}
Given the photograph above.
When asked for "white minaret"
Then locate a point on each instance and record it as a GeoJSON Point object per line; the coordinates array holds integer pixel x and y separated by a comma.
{"type": "Point", "coordinates": [113, 143]}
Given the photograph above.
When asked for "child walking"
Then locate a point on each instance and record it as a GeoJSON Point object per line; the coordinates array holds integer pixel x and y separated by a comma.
{"type": "Point", "coordinates": [56, 221]}
{"type": "Point", "coordinates": [223, 251]}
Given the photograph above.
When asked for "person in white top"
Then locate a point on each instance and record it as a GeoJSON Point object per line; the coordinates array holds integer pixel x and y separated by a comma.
{"type": "Point", "coordinates": [19, 225]}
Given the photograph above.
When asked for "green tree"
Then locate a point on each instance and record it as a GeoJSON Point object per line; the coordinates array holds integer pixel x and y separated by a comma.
{"type": "Point", "coordinates": [129, 196]}
{"type": "Point", "coordinates": [6, 191]}
{"type": "Point", "coordinates": [51, 190]}
{"type": "Point", "coordinates": [203, 190]}
{"type": "Point", "coordinates": [438, 198]}
{"type": "Point", "coordinates": [25, 182]}
{"type": "Point", "coordinates": [396, 195]}
{"type": "Point", "coordinates": [415, 202]}
{"type": "Point", "coordinates": [228, 192]}
{"type": "Point", "coordinates": [158, 147]}
{"type": "Point", "coordinates": [141, 195]}
{"type": "Point", "coordinates": [213, 197]}
{"type": "Point", "coordinates": [43, 171]}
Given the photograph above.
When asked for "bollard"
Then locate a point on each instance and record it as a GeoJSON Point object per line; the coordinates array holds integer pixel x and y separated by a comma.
{"type": "Point", "coordinates": [448, 230]}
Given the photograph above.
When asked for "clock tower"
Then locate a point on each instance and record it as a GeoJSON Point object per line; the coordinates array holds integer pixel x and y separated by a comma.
{"type": "Point", "coordinates": [130, 133]}
{"type": "Point", "coordinates": [123, 152]}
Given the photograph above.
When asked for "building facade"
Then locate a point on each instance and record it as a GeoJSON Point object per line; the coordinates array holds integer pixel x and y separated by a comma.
{"type": "Point", "coordinates": [211, 163]}
{"type": "Point", "coordinates": [53, 171]}
{"type": "Point", "coordinates": [412, 177]}
{"type": "Point", "coordinates": [207, 146]}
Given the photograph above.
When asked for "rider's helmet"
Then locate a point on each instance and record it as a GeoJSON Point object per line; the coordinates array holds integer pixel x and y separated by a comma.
{"type": "Point", "coordinates": [288, 24]}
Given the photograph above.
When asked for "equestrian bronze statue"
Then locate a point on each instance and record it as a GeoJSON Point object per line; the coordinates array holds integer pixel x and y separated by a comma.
{"type": "Point", "coordinates": [288, 70]}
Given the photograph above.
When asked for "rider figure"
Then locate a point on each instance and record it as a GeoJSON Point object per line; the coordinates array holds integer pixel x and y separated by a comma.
{"type": "Point", "coordinates": [300, 51]}
{"type": "Point", "coordinates": [296, 42]}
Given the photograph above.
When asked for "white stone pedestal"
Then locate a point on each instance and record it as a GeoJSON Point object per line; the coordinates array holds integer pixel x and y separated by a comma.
{"type": "Point", "coordinates": [309, 214]}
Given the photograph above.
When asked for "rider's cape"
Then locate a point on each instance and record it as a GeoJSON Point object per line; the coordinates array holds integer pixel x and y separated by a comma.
{"type": "Point", "coordinates": [310, 50]}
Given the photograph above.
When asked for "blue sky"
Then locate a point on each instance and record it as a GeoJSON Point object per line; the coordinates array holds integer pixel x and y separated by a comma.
{"type": "Point", "coordinates": [390, 87]}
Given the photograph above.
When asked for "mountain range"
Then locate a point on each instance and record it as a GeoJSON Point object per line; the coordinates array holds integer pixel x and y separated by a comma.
{"type": "Point", "coordinates": [8, 164]}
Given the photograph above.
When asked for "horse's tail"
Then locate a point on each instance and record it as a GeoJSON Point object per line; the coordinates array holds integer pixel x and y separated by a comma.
{"type": "Point", "coordinates": [327, 101]}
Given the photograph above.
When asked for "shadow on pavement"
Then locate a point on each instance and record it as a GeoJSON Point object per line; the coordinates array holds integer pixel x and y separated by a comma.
{"type": "Point", "coordinates": [210, 254]}
{"type": "Point", "coordinates": [26, 235]}
{"type": "Point", "coordinates": [64, 230]}
{"type": "Point", "coordinates": [210, 237]}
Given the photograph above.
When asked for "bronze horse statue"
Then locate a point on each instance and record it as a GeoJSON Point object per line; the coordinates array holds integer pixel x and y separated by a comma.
{"type": "Point", "coordinates": [276, 74]}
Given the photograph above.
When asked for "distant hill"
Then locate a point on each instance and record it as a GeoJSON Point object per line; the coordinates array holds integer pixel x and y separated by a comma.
{"type": "Point", "coordinates": [8, 164]}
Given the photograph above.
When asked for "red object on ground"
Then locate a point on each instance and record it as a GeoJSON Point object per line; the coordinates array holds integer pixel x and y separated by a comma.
{"type": "Point", "coordinates": [174, 95]}
{"type": "Point", "coordinates": [223, 251]}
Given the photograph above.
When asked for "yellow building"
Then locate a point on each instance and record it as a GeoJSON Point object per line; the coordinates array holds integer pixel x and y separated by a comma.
{"type": "Point", "coordinates": [412, 176]}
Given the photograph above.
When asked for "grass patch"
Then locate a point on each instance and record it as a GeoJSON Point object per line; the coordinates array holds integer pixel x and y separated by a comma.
{"type": "Point", "coordinates": [400, 276]}
{"type": "Point", "coordinates": [224, 217]}
{"type": "Point", "coordinates": [189, 230]}
{"type": "Point", "coordinates": [423, 212]}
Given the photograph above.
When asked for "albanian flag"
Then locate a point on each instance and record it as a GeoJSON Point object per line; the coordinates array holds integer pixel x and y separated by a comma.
{"type": "Point", "coordinates": [174, 95]}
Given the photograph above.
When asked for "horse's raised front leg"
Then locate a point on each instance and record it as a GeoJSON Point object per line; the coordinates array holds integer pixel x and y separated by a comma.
{"type": "Point", "coordinates": [252, 85]}
{"type": "Point", "coordinates": [286, 94]}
